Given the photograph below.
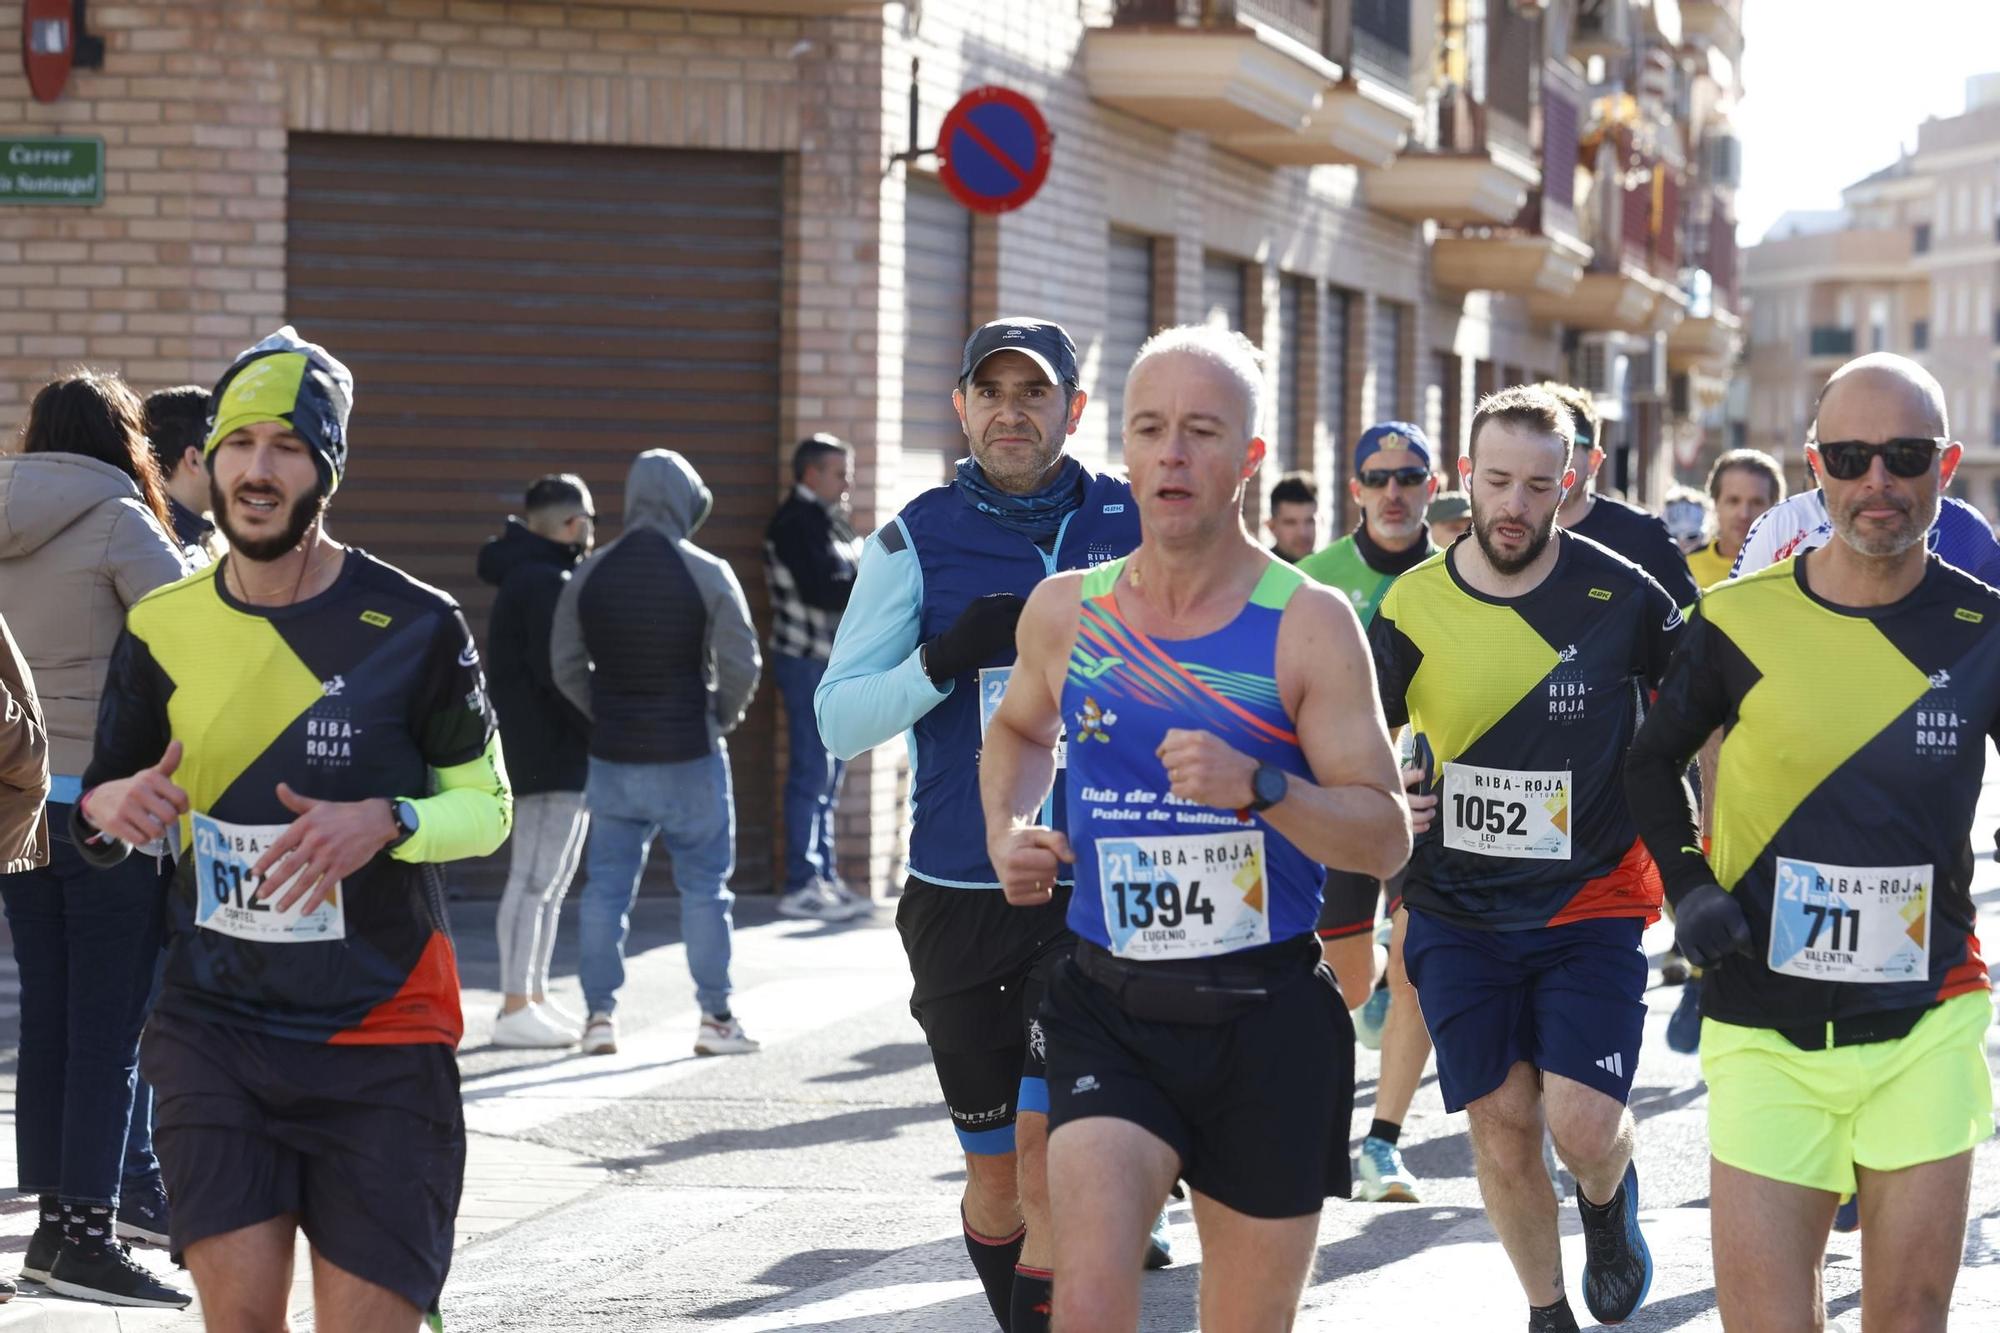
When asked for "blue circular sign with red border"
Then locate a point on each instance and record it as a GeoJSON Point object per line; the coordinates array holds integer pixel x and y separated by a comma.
{"type": "Point", "coordinates": [993, 150]}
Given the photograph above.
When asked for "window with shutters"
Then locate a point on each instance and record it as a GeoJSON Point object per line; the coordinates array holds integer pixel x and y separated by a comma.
{"type": "Point", "coordinates": [1333, 371]}
{"type": "Point", "coordinates": [1128, 322]}
{"type": "Point", "coordinates": [937, 319]}
{"type": "Point", "coordinates": [1387, 357]}
{"type": "Point", "coordinates": [1222, 292]}
{"type": "Point", "coordinates": [1291, 423]}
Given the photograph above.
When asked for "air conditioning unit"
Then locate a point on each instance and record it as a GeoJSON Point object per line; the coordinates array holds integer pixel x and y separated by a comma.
{"type": "Point", "coordinates": [1603, 28]}
{"type": "Point", "coordinates": [1598, 366]}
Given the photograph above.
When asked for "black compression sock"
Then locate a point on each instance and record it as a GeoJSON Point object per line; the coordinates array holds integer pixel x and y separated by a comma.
{"type": "Point", "coordinates": [86, 1228]}
{"type": "Point", "coordinates": [993, 1258]}
{"type": "Point", "coordinates": [1555, 1318]}
{"type": "Point", "coordinates": [1386, 1130]}
{"type": "Point", "coordinates": [1033, 1288]}
{"type": "Point", "coordinates": [51, 1211]}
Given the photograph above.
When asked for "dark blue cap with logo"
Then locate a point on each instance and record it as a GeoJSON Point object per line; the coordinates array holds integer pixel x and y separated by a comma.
{"type": "Point", "coordinates": [1042, 342]}
{"type": "Point", "coordinates": [1393, 435]}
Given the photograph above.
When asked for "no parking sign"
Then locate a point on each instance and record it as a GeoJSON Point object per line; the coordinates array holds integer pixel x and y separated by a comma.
{"type": "Point", "coordinates": [993, 150]}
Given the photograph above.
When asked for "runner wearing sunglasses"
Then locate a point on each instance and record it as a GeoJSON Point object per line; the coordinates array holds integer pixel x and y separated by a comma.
{"type": "Point", "coordinates": [1393, 484]}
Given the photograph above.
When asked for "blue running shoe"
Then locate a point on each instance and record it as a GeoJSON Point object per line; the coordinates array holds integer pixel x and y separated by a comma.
{"type": "Point", "coordinates": [1369, 1019]}
{"type": "Point", "coordinates": [1159, 1249]}
{"type": "Point", "coordinates": [1617, 1266]}
{"type": "Point", "coordinates": [1847, 1217]}
{"type": "Point", "coordinates": [1383, 1177]}
{"type": "Point", "coordinates": [1684, 1028]}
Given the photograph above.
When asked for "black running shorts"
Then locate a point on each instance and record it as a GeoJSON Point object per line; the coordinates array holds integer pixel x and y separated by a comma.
{"type": "Point", "coordinates": [1256, 1105]}
{"type": "Point", "coordinates": [1347, 903]}
{"type": "Point", "coordinates": [979, 966]}
{"type": "Point", "coordinates": [365, 1145]}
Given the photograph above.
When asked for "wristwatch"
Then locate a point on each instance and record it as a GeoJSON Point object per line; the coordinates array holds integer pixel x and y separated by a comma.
{"type": "Point", "coordinates": [405, 815]}
{"type": "Point", "coordinates": [1268, 786]}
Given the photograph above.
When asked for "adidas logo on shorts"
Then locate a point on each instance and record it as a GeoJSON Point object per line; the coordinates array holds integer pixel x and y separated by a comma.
{"type": "Point", "coordinates": [1612, 1064]}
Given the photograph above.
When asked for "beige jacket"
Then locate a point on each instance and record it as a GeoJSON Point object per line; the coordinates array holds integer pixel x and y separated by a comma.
{"type": "Point", "coordinates": [77, 547]}
{"type": "Point", "coordinates": [24, 765]}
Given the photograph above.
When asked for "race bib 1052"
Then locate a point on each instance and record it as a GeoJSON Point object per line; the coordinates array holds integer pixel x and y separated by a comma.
{"type": "Point", "coordinates": [1190, 896]}
{"type": "Point", "coordinates": [1868, 924]}
{"type": "Point", "coordinates": [1507, 812]}
{"type": "Point", "coordinates": [226, 892]}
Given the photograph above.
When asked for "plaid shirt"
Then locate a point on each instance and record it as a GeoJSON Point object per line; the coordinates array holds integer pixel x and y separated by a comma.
{"type": "Point", "coordinates": [810, 554]}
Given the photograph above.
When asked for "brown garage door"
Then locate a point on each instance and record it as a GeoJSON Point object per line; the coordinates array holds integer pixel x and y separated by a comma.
{"type": "Point", "coordinates": [512, 309]}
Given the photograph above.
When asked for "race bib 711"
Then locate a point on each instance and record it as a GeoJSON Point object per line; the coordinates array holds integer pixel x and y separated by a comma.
{"type": "Point", "coordinates": [1867, 924]}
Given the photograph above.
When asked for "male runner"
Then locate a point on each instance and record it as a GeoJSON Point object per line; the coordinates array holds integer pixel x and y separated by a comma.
{"type": "Point", "coordinates": [1224, 742]}
{"type": "Point", "coordinates": [309, 729]}
{"type": "Point", "coordinates": [1294, 520]}
{"type": "Point", "coordinates": [1394, 481]}
{"type": "Point", "coordinates": [1519, 658]}
{"type": "Point", "coordinates": [1846, 1002]}
{"type": "Point", "coordinates": [1627, 529]}
{"type": "Point", "coordinates": [1742, 485]}
{"type": "Point", "coordinates": [926, 647]}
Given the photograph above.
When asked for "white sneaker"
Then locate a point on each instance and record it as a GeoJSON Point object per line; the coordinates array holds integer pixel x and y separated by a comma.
{"type": "Point", "coordinates": [812, 903]}
{"type": "Point", "coordinates": [723, 1036]}
{"type": "Point", "coordinates": [858, 905]}
{"type": "Point", "coordinates": [562, 1017]}
{"type": "Point", "coordinates": [600, 1035]}
{"type": "Point", "coordinates": [532, 1029]}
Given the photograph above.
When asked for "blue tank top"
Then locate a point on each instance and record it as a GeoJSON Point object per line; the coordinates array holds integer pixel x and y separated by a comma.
{"type": "Point", "coordinates": [1159, 878]}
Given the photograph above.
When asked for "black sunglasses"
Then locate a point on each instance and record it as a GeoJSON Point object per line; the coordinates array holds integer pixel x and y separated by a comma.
{"type": "Point", "coordinates": [1848, 459]}
{"type": "Point", "coordinates": [1375, 478]}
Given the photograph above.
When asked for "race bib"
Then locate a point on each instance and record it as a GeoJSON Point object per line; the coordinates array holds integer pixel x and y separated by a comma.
{"type": "Point", "coordinates": [1506, 812]}
{"type": "Point", "coordinates": [1184, 897]}
{"type": "Point", "coordinates": [226, 897]}
{"type": "Point", "coordinates": [1868, 924]}
{"type": "Point", "coordinates": [992, 689]}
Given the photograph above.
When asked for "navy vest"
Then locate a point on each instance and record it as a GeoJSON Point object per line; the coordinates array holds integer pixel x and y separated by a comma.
{"type": "Point", "coordinates": [963, 555]}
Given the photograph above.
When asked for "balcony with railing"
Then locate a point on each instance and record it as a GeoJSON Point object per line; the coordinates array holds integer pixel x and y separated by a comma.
{"type": "Point", "coordinates": [1631, 222]}
{"type": "Point", "coordinates": [1265, 78]}
{"type": "Point", "coordinates": [1719, 23]}
{"type": "Point", "coordinates": [1484, 162]}
{"type": "Point", "coordinates": [1829, 340]}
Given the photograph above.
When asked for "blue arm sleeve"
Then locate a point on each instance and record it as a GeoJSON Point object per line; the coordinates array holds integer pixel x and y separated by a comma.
{"type": "Point", "coordinates": [875, 688]}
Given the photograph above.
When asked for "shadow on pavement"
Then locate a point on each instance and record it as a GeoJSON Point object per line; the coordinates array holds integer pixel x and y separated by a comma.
{"type": "Point", "coordinates": [872, 1124]}
{"type": "Point", "coordinates": [795, 1273]}
{"type": "Point", "coordinates": [880, 1062]}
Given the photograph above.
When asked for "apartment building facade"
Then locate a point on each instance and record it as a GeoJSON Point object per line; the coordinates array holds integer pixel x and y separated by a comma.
{"type": "Point", "coordinates": [1910, 264]}
{"type": "Point", "coordinates": [549, 235]}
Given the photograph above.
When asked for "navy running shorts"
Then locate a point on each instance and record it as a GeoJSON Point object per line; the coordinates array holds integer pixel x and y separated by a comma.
{"type": "Point", "coordinates": [1567, 999]}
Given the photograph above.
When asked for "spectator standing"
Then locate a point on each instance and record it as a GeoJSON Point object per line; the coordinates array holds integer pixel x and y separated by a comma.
{"type": "Point", "coordinates": [177, 427]}
{"type": "Point", "coordinates": [810, 554]}
{"type": "Point", "coordinates": [84, 525]}
{"type": "Point", "coordinates": [653, 643]}
{"type": "Point", "coordinates": [546, 741]}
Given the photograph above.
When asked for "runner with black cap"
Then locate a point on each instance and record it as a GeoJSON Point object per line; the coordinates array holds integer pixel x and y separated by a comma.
{"type": "Point", "coordinates": [307, 730]}
{"type": "Point", "coordinates": [926, 647]}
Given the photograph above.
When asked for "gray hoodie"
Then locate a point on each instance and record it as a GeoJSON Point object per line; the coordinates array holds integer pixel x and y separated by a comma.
{"type": "Point", "coordinates": [652, 635]}
{"type": "Point", "coordinates": [77, 547]}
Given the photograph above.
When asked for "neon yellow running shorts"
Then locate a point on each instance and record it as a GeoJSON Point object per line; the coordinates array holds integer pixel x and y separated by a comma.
{"type": "Point", "coordinates": [1811, 1117]}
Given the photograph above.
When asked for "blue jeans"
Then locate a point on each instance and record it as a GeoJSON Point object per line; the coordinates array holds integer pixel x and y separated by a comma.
{"type": "Point", "coordinates": [86, 943]}
{"type": "Point", "coordinates": [812, 777]}
{"type": "Point", "coordinates": [690, 808]}
{"type": "Point", "coordinates": [142, 1168]}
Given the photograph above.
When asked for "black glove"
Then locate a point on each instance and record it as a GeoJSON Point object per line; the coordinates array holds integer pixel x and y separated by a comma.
{"type": "Point", "coordinates": [1709, 926]}
{"type": "Point", "coordinates": [982, 630]}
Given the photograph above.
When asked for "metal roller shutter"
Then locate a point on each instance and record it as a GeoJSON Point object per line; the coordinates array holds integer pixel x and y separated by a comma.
{"type": "Point", "coordinates": [1128, 322]}
{"type": "Point", "coordinates": [1387, 354]}
{"type": "Point", "coordinates": [512, 309]}
{"type": "Point", "coordinates": [1291, 449]}
{"type": "Point", "coordinates": [1222, 291]}
{"type": "Point", "coordinates": [937, 319]}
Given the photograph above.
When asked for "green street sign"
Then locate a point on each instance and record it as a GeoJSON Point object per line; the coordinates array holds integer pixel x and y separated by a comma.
{"type": "Point", "coordinates": [52, 171]}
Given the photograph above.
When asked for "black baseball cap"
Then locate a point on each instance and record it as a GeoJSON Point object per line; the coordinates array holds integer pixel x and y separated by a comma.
{"type": "Point", "coordinates": [1043, 342]}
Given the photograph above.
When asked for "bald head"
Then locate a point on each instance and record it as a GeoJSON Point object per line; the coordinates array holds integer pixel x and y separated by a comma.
{"type": "Point", "coordinates": [1879, 397]}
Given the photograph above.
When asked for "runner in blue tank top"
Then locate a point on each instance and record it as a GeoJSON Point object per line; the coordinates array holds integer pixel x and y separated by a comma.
{"type": "Point", "coordinates": [1224, 742]}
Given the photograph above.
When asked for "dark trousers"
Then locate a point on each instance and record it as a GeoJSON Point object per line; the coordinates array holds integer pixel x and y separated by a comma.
{"type": "Point", "coordinates": [86, 943]}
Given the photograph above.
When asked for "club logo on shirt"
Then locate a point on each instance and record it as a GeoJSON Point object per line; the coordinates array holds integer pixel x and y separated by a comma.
{"type": "Point", "coordinates": [329, 739]}
{"type": "Point", "coordinates": [332, 688]}
{"type": "Point", "coordinates": [1566, 687]}
{"type": "Point", "coordinates": [1094, 723]}
{"type": "Point", "coordinates": [1097, 553]}
{"type": "Point", "coordinates": [375, 618]}
{"type": "Point", "coordinates": [1937, 720]}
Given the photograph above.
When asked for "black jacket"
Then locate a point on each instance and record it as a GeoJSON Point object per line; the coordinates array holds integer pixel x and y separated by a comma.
{"type": "Point", "coordinates": [546, 740]}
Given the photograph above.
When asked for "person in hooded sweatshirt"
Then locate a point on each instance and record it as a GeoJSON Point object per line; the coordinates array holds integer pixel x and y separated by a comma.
{"type": "Point", "coordinates": [546, 741]}
{"type": "Point", "coordinates": [653, 642]}
{"type": "Point", "coordinates": [84, 533]}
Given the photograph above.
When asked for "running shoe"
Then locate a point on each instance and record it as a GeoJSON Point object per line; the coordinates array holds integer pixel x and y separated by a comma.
{"type": "Point", "coordinates": [1384, 1179]}
{"type": "Point", "coordinates": [530, 1028]}
{"type": "Point", "coordinates": [1684, 1028]}
{"type": "Point", "coordinates": [1617, 1265]}
{"type": "Point", "coordinates": [41, 1255]}
{"type": "Point", "coordinates": [814, 902]}
{"type": "Point", "coordinates": [143, 1213]}
{"type": "Point", "coordinates": [1159, 1246]}
{"type": "Point", "coordinates": [1847, 1217]}
{"type": "Point", "coordinates": [723, 1036]}
{"type": "Point", "coordinates": [113, 1277]}
{"type": "Point", "coordinates": [858, 905]}
{"type": "Point", "coordinates": [560, 1016]}
{"type": "Point", "coordinates": [1673, 968]}
{"type": "Point", "coordinates": [7, 1290]}
{"type": "Point", "coordinates": [600, 1035]}
{"type": "Point", "coordinates": [1370, 1018]}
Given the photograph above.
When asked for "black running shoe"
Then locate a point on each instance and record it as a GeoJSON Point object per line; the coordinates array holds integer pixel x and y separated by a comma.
{"type": "Point", "coordinates": [41, 1256]}
{"type": "Point", "coordinates": [114, 1277]}
{"type": "Point", "coordinates": [1617, 1266]}
{"type": "Point", "coordinates": [143, 1214]}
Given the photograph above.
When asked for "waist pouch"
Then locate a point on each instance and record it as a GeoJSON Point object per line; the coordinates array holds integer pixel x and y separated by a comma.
{"type": "Point", "coordinates": [1202, 991]}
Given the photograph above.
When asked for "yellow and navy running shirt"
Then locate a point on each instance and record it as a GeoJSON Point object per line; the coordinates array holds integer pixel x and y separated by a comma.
{"type": "Point", "coordinates": [1854, 742]}
{"type": "Point", "coordinates": [1525, 706]}
{"type": "Point", "coordinates": [1158, 878]}
{"type": "Point", "coordinates": [359, 692]}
